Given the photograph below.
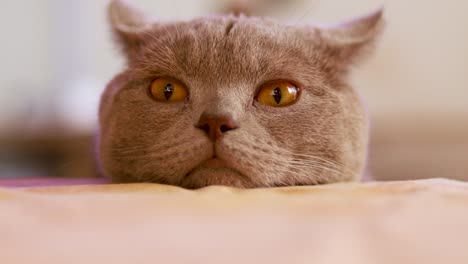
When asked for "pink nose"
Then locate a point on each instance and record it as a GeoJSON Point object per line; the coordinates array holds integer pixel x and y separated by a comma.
{"type": "Point", "coordinates": [216, 125]}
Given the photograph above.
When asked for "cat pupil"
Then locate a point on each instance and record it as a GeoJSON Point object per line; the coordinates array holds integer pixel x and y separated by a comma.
{"type": "Point", "coordinates": [277, 95]}
{"type": "Point", "coordinates": [168, 91]}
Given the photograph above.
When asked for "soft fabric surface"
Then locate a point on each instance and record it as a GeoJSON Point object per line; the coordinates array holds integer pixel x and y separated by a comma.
{"type": "Point", "coordinates": [398, 222]}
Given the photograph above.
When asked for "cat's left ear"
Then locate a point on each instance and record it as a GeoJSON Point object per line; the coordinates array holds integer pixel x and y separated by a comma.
{"type": "Point", "coordinates": [349, 42]}
{"type": "Point", "coordinates": [127, 23]}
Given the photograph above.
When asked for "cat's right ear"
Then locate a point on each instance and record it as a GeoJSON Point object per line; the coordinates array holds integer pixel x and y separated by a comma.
{"type": "Point", "coordinates": [348, 43]}
{"type": "Point", "coordinates": [127, 24]}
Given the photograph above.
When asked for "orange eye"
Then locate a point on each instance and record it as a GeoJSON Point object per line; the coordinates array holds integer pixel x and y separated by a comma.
{"type": "Point", "coordinates": [168, 90]}
{"type": "Point", "coordinates": [278, 93]}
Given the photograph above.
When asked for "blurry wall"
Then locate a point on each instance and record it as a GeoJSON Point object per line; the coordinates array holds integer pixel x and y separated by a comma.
{"type": "Point", "coordinates": [57, 55]}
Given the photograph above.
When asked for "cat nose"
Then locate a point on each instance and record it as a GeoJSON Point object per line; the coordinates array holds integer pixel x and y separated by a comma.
{"type": "Point", "coordinates": [216, 125]}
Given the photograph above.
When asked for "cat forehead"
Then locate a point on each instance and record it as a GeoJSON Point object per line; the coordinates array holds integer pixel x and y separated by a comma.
{"type": "Point", "coordinates": [229, 46]}
{"type": "Point", "coordinates": [224, 33]}
{"type": "Point", "coordinates": [231, 27]}
{"type": "Point", "coordinates": [225, 47]}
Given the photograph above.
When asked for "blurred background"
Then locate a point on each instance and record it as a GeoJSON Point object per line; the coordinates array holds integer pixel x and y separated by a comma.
{"type": "Point", "coordinates": [57, 56]}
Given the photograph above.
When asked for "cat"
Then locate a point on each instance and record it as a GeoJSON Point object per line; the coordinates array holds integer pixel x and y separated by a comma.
{"type": "Point", "coordinates": [234, 100]}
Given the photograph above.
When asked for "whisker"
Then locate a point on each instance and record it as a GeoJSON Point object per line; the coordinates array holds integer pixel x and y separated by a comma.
{"type": "Point", "coordinates": [323, 162]}
{"type": "Point", "coordinates": [318, 167]}
{"type": "Point", "coordinates": [316, 157]}
{"type": "Point", "coordinates": [303, 163]}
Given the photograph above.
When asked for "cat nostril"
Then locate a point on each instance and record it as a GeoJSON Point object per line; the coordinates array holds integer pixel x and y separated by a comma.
{"type": "Point", "coordinates": [216, 125]}
{"type": "Point", "coordinates": [224, 128]}
{"type": "Point", "coordinates": [205, 128]}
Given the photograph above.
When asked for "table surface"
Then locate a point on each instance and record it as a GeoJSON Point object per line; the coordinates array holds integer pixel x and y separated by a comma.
{"type": "Point", "coordinates": [353, 223]}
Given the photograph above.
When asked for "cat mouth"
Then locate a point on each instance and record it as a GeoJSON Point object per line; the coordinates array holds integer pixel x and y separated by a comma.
{"type": "Point", "coordinates": [215, 163]}
{"type": "Point", "coordinates": [216, 171]}
{"type": "Point", "coordinates": [212, 163]}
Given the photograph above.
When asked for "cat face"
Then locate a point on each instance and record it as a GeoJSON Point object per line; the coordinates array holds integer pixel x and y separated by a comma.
{"type": "Point", "coordinates": [235, 101]}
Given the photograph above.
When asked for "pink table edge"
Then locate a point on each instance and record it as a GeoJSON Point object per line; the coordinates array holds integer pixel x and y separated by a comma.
{"type": "Point", "coordinates": [46, 182]}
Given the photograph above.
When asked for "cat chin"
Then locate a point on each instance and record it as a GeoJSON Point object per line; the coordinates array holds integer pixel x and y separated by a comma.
{"type": "Point", "coordinates": [204, 176]}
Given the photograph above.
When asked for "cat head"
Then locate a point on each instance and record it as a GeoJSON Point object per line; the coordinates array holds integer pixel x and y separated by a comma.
{"type": "Point", "coordinates": [234, 100]}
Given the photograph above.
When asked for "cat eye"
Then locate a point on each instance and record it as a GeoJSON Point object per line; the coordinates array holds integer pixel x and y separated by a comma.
{"type": "Point", "coordinates": [168, 90]}
{"type": "Point", "coordinates": [278, 93]}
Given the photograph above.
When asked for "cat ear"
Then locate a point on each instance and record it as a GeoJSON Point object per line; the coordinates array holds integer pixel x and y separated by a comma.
{"type": "Point", "coordinates": [127, 23]}
{"type": "Point", "coordinates": [349, 42]}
